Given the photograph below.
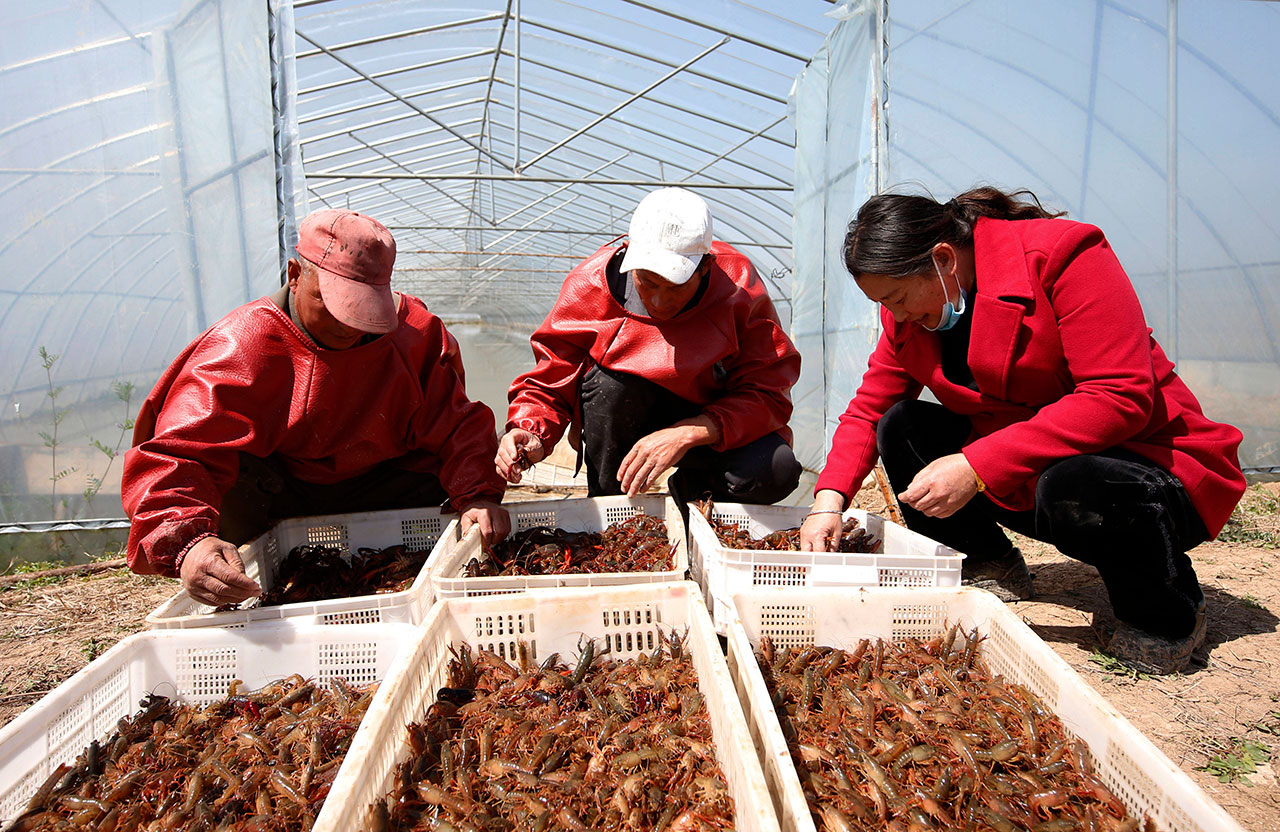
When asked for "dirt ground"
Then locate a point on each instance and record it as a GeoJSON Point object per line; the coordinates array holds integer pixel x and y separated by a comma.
{"type": "Point", "coordinates": [1223, 714]}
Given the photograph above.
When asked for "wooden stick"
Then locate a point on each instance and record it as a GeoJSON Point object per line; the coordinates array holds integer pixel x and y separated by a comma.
{"type": "Point", "coordinates": [80, 569]}
{"type": "Point", "coordinates": [891, 502]}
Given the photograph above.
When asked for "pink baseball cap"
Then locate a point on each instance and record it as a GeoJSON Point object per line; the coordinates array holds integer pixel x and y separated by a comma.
{"type": "Point", "coordinates": [354, 254]}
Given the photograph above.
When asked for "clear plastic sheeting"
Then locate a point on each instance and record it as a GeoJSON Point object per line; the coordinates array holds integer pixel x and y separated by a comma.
{"type": "Point", "coordinates": [504, 141]}
{"type": "Point", "coordinates": [1171, 151]}
{"type": "Point", "coordinates": [137, 205]}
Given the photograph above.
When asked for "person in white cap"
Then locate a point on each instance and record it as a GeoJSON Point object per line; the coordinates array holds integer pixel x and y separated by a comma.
{"type": "Point", "coordinates": [332, 395]}
{"type": "Point", "coordinates": [664, 350]}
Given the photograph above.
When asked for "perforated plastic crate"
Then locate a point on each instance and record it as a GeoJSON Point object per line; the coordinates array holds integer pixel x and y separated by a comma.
{"type": "Point", "coordinates": [1125, 760]}
{"type": "Point", "coordinates": [194, 666]}
{"type": "Point", "coordinates": [628, 618]}
{"type": "Point", "coordinates": [417, 529]}
{"type": "Point", "coordinates": [906, 559]}
{"type": "Point", "coordinates": [577, 514]}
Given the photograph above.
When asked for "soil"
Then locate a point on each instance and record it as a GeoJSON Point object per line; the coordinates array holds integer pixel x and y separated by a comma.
{"type": "Point", "coordinates": [1229, 697]}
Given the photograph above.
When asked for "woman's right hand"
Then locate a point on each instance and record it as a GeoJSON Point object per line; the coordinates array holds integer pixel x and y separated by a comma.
{"type": "Point", "coordinates": [510, 447]}
{"type": "Point", "coordinates": [820, 531]}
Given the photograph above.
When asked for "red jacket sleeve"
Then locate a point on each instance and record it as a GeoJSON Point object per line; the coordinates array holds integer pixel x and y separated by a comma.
{"type": "Point", "coordinates": [1107, 347]}
{"type": "Point", "coordinates": [205, 411]}
{"type": "Point", "coordinates": [853, 447]}
{"type": "Point", "coordinates": [757, 397]}
{"type": "Point", "coordinates": [544, 400]}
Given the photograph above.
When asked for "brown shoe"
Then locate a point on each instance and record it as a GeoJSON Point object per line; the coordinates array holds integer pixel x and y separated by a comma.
{"type": "Point", "coordinates": [1154, 654]}
{"type": "Point", "coordinates": [1007, 578]}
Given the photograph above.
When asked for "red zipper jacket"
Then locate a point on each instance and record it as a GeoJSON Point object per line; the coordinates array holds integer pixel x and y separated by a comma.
{"type": "Point", "coordinates": [254, 383]}
{"type": "Point", "coordinates": [1064, 363]}
{"type": "Point", "coordinates": [728, 353]}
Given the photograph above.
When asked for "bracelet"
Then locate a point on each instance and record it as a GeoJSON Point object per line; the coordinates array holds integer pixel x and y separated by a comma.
{"type": "Point", "coordinates": [982, 486]}
{"type": "Point", "coordinates": [823, 511]}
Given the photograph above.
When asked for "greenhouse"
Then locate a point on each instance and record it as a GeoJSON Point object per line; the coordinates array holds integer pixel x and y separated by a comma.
{"type": "Point", "coordinates": [158, 167]}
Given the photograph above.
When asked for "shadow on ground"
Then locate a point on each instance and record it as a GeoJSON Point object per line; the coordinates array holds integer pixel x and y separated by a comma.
{"type": "Point", "coordinates": [1076, 585]}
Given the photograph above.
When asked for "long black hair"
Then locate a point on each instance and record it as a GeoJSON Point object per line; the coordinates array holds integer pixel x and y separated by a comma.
{"type": "Point", "coordinates": [894, 234]}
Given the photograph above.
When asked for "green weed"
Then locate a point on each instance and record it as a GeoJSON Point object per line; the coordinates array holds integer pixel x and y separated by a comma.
{"type": "Point", "coordinates": [1115, 667]}
{"type": "Point", "coordinates": [1237, 761]}
{"type": "Point", "coordinates": [1252, 601]}
{"type": "Point", "coordinates": [36, 566]}
{"type": "Point", "coordinates": [92, 648]}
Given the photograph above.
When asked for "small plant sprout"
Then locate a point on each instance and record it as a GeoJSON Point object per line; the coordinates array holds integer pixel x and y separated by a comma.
{"type": "Point", "coordinates": [47, 360]}
{"type": "Point", "coordinates": [123, 391]}
{"type": "Point", "coordinates": [1237, 761]}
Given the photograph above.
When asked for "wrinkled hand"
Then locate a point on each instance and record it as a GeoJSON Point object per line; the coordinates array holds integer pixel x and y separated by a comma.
{"type": "Point", "coordinates": [942, 487]}
{"type": "Point", "coordinates": [821, 532]}
{"type": "Point", "coordinates": [509, 448]}
{"type": "Point", "coordinates": [213, 574]}
{"type": "Point", "coordinates": [491, 518]}
{"type": "Point", "coordinates": [652, 455]}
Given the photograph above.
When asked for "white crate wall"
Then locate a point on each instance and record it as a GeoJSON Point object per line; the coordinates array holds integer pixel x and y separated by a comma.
{"type": "Point", "coordinates": [194, 666]}
{"type": "Point", "coordinates": [904, 559]}
{"type": "Point", "coordinates": [416, 529]}
{"type": "Point", "coordinates": [573, 514]}
{"type": "Point", "coordinates": [1144, 779]}
{"type": "Point", "coordinates": [630, 618]}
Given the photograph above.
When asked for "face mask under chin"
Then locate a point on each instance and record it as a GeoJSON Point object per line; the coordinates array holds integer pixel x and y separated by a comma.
{"type": "Point", "coordinates": [950, 314]}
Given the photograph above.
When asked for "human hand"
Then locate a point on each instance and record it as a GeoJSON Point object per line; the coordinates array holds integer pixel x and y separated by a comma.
{"type": "Point", "coordinates": [942, 487]}
{"type": "Point", "coordinates": [493, 520]}
{"type": "Point", "coordinates": [517, 450]}
{"type": "Point", "coordinates": [213, 574]}
{"type": "Point", "coordinates": [820, 531]}
{"type": "Point", "coordinates": [652, 455]}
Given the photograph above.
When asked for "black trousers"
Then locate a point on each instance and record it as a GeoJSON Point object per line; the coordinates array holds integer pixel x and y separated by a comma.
{"type": "Point", "coordinates": [1114, 510]}
{"type": "Point", "coordinates": [266, 493]}
{"type": "Point", "coordinates": [619, 409]}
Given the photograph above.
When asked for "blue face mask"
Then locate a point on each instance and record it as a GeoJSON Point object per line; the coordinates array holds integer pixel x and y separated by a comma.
{"type": "Point", "coordinates": [950, 315]}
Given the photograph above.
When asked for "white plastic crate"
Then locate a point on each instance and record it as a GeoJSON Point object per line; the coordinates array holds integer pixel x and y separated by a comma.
{"type": "Point", "coordinates": [576, 514]}
{"type": "Point", "coordinates": [908, 559]}
{"type": "Point", "coordinates": [628, 618]}
{"type": "Point", "coordinates": [417, 529]}
{"type": "Point", "coordinates": [1144, 779]}
{"type": "Point", "coordinates": [194, 666]}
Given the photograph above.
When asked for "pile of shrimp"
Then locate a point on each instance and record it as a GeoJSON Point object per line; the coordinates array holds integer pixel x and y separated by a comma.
{"type": "Point", "coordinates": [257, 762]}
{"type": "Point", "coordinates": [853, 538]}
{"type": "Point", "coordinates": [605, 745]}
{"type": "Point", "coordinates": [920, 736]}
{"type": "Point", "coordinates": [637, 544]}
{"type": "Point", "coordinates": [313, 572]}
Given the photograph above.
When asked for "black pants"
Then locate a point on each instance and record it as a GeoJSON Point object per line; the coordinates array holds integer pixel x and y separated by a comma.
{"type": "Point", "coordinates": [1114, 510]}
{"type": "Point", "coordinates": [266, 493]}
{"type": "Point", "coordinates": [619, 409]}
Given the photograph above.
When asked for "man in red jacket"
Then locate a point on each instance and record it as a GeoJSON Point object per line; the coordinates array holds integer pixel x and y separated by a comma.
{"type": "Point", "coordinates": [333, 394]}
{"type": "Point", "coordinates": [665, 351]}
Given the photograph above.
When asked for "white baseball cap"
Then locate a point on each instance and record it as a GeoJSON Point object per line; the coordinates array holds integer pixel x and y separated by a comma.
{"type": "Point", "coordinates": [670, 232]}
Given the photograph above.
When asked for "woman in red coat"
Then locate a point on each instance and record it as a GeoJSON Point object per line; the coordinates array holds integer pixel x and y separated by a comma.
{"type": "Point", "coordinates": [1059, 416]}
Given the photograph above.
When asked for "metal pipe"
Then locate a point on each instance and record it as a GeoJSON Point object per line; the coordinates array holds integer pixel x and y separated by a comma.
{"type": "Point", "coordinates": [1170, 336]}
{"type": "Point", "coordinates": [769, 46]}
{"type": "Point", "coordinates": [633, 97]}
{"type": "Point", "coordinates": [394, 94]}
{"type": "Point", "coordinates": [479, 53]}
{"type": "Point", "coordinates": [557, 190]}
{"type": "Point", "coordinates": [724, 122]}
{"type": "Point", "coordinates": [482, 252]}
{"type": "Point", "coordinates": [439, 27]}
{"type": "Point", "coordinates": [768, 126]}
{"type": "Point", "coordinates": [544, 214]}
{"type": "Point", "coordinates": [515, 163]}
{"type": "Point", "coordinates": [581, 232]}
{"type": "Point", "coordinates": [506, 177]}
{"type": "Point", "coordinates": [617, 47]}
